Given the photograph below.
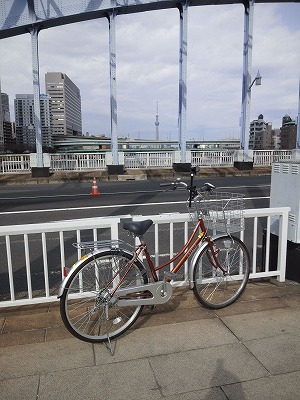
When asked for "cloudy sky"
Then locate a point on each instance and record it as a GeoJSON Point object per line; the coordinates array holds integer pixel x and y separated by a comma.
{"type": "Point", "coordinates": [147, 69]}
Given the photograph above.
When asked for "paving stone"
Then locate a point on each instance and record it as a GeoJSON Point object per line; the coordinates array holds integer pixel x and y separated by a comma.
{"type": "Point", "coordinates": [279, 354]}
{"type": "Point", "coordinates": [280, 387]}
{"type": "Point", "coordinates": [263, 324]}
{"type": "Point", "coordinates": [25, 388]}
{"type": "Point", "coordinates": [179, 351]}
{"type": "Point", "coordinates": [176, 337]}
{"type": "Point", "coordinates": [57, 333]}
{"type": "Point", "coordinates": [206, 394]}
{"type": "Point", "coordinates": [2, 322]}
{"type": "Point", "coordinates": [244, 307]}
{"type": "Point", "coordinates": [38, 358]}
{"type": "Point", "coordinates": [22, 337]}
{"type": "Point", "coordinates": [292, 301]}
{"type": "Point", "coordinates": [205, 368]}
{"type": "Point", "coordinates": [25, 322]}
{"type": "Point", "coordinates": [25, 310]}
{"type": "Point", "coordinates": [157, 318]}
{"type": "Point", "coordinates": [132, 380]}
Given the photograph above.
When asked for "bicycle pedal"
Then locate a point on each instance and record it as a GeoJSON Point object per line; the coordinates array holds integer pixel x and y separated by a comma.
{"type": "Point", "coordinates": [170, 275]}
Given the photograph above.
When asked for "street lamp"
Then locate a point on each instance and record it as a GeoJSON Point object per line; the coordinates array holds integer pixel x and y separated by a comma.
{"type": "Point", "coordinates": [256, 80]}
{"type": "Point", "coordinates": [245, 117]}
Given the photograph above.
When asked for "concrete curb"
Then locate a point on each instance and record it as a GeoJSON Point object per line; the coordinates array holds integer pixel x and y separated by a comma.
{"type": "Point", "coordinates": [138, 174]}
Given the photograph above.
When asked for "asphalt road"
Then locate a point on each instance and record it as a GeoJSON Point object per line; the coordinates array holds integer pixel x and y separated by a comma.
{"type": "Point", "coordinates": [25, 204]}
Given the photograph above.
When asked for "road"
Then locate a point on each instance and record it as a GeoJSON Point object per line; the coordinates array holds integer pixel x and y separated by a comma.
{"type": "Point", "coordinates": [43, 203]}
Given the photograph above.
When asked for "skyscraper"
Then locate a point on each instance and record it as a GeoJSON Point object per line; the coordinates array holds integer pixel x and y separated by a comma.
{"type": "Point", "coordinates": [25, 120]}
{"type": "Point", "coordinates": [5, 107]}
{"type": "Point", "coordinates": [1, 123]}
{"type": "Point", "coordinates": [65, 104]}
{"type": "Point", "coordinates": [6, 132]}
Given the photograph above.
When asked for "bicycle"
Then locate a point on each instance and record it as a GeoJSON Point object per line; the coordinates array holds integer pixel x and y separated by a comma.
{"type": "Point", "coordinates": [106, 290]}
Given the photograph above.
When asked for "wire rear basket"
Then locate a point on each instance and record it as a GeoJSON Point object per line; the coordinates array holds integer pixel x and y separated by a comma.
{"type": "Point", "coordinates": [221, 211]}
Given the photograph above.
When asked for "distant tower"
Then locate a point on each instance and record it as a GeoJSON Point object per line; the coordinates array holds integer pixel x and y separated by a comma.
{"type": "Point", "coordinates": [157, 123]}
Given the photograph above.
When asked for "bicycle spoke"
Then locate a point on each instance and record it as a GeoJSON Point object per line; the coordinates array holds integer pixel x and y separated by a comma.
{"type": "Point", "coordinates": [215, 288]}
{"type": "Point", "coordinates": [86, 305]}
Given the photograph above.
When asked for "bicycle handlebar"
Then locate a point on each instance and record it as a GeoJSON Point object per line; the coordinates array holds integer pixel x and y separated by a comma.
{"type": "Point", "coordinates": [193, 192]}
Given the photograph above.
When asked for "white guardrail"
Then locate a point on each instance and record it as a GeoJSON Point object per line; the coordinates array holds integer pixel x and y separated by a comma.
{"type": "Point", "coordinates": [14, 163]}
{"type": "Point", "coordinates": [34, 255]}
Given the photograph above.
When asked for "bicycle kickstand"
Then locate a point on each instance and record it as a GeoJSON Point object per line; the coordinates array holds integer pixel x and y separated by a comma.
{"type": "Point", "coordinates": [108, 346]}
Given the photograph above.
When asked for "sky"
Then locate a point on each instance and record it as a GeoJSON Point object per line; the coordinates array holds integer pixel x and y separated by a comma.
{"type": "Point", "coordinates": [147, 48]}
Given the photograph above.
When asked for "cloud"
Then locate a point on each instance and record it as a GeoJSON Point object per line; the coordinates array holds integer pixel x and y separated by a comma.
{"type": "Point", "coordinates": [147, 68]}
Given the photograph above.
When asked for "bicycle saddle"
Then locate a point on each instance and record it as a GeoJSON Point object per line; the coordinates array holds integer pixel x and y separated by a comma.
{"type": "Point", "coordinates": [137, 227]}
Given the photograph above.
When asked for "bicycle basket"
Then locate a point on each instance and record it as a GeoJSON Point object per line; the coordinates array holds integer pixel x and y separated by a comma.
{"type": "Point", "coordinates": [221, 211]}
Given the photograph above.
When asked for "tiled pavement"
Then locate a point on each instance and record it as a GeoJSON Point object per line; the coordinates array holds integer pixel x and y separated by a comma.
{"type": "Point", "coordinates": [180, 351]}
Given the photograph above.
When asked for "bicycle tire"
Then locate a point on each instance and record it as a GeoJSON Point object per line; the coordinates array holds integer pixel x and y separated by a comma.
{"type": "Point", "coordinates": [85, 308]}
{"type": "Point", "coordinates": [212, 287]}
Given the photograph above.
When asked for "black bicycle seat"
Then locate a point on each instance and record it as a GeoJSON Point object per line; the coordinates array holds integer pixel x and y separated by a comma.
{"type": "Point", "coordinates": [137, 227]}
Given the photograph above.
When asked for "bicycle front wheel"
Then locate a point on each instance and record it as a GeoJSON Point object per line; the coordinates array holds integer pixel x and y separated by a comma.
{"type": "Point", "coordinates": [88, 309]}
{"type": "Point", "coordinates": [213, 287]}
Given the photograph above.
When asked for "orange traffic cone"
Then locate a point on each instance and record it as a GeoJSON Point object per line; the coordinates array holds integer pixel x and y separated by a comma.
{"type": "Point", "coordinates": [95, 191]}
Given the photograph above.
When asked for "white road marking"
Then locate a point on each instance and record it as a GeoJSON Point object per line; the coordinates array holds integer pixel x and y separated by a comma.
{"type": "Point", "coordinates": [106, 207]}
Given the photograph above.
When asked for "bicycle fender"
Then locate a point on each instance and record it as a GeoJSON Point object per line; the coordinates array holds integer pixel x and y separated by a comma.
{"type": "Point", "coordinates": [196, 255]}
{"type": "Point", "coordinates": [78, 263]}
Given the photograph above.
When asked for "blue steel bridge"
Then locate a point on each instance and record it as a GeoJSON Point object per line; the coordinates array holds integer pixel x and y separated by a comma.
{"type": "Point", "coordinates": [18, 17]}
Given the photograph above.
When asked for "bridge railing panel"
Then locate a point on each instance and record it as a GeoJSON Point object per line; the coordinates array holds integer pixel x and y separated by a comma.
{"type": "Point", "coordinates": [139, 160]}
{"type": "Point", "coordinates": [34, 255]}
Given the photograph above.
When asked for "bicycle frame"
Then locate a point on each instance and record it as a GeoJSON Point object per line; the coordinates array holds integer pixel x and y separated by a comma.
{"type": "Point", "coordinates": [160, 291]}
{"type": "Point", "coordinates": [193, 241]}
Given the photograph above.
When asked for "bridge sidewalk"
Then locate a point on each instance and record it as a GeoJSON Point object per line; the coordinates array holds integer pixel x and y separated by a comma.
{"type": "Point", "coordinates": [180, 351]}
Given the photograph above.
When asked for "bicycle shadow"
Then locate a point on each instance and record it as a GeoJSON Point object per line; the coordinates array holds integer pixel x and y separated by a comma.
{"type": "Point", "coordinates": [233, 386]}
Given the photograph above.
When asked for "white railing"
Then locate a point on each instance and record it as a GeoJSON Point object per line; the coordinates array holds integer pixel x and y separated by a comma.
{"type": "Point", "coordinates": [212, 158]}
{"type": "Point", "coordinates": [140, 160]}
{"type": "Point", "coordinates": [34, 255]}
{"type": "Point", "coordinates": [267, 157]}
{"type": "Point", "coordinates": [13, 163]}
{"type": "Point", "coordinates": [149, 159]}
{"type": "Point", "coordinates": [77, 161]}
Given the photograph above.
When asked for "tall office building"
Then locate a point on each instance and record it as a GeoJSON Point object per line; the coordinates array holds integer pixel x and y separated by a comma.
{"type": "Point", "coordinates": [288, 133]}
{"type": "Point", "coordinates": [5, 107]}
{"type": "Point", "coordinates": [6, 141]}
{"type": "Point", "coordinates": [25, 120]}
{"type": "Point", "coordinates": [65, 105]}
{"type": "Point", "coordinates": [1, 125]}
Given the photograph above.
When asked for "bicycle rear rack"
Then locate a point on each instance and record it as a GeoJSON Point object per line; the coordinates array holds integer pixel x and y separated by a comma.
{"type": "Point", "coordinates": [103, 244]}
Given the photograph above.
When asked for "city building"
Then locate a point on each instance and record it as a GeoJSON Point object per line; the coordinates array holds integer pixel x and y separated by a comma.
{"type": "Point", "coordinates": [1, 125]}
{"type": "Point", "coordinates": [65, 105]}
{"type": "Point", "coordinates": [288, 133]}
{"type": "Point", "coordinates": [7, 141]}
{"type": "Point", "coordinates": [5, 107]}
{"type": "Point", "coordinates": [276, 139]}
{"type": "Point", "coordinates": [25, 121]}
{"type": "Point", "coordinates": [260, 134]}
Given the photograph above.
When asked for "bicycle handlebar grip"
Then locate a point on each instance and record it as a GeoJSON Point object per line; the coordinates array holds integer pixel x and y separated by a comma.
{"type": "Point", "coordinates": [167, 184]}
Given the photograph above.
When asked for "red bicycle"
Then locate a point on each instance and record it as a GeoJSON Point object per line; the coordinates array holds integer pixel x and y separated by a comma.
{"type": "Point", "coordinates": [104, 293]}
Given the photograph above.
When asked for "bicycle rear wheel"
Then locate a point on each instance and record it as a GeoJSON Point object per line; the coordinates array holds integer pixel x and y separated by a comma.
{"type": "Point", "coordinates": [87, 308]}
{"type": "Point", "coordinates": [214, 288]}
